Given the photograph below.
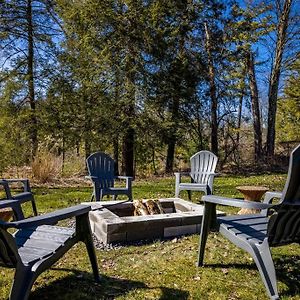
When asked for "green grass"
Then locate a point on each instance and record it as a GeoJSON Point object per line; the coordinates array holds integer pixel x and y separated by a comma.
{"type": "Point", "coordinates": [162, 269]}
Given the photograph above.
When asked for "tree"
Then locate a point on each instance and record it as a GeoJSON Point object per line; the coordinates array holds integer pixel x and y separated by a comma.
{"type": "Point", "coordinates": [212, 91]}
{"type": "Point", "coordinates": [282, 28]}
{"type": "Point", "coordinates": [255, 106]}
{"type": "Point", "coordinates": [249, 25]}
{"type": "Point", "coordinates": [288, 114]}
{"type": "Point", "coordinates": [26, 32]}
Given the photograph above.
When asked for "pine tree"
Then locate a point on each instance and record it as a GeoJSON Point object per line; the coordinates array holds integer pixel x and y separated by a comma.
{"type": "Point", "coordinates": [26, 33]}
{"type": "Point", "coordinates": [288, 114]}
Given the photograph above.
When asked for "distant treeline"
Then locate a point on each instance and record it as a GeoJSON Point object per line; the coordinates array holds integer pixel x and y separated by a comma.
{"type": "Point", "coordinates": [147, 81]}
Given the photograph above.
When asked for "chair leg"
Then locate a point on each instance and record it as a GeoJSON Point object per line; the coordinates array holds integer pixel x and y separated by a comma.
{"type": "Point", "coordinates": [177, 191]}
{"type": "Point", "coordinates": [204, 232]}
{"type": "Point", "coordinates": [83, 228]}
{"type": "Point", "coordinates": [177, 182]}
{"type": "Point", "coordinates": [130, 195]}
{"type": "Point", "coordinates": [99, 195]}
{"type": "Point", "coordinates": [263, 259]}
{"type": "Point", "coordinates": [189, 195]}
{"type": "Point", "coordinates": [34, 207]}
{"type": "Point", "coordinates": [22, 284]}
{"type": "Point", "coordinates": [92, 256]}
{"type": "Point", "coordinates": [97, 192]}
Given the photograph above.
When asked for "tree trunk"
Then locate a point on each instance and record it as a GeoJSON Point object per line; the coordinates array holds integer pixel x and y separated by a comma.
{"type": "Point", "coordinates": [170, 155]}
{"type": "Point", "coordinates": [129, 112]}
{"type": "Point", "coordinates": [116, 154]}
{"type": "Point", "coordinates": [87, 146]}
{"type": "Point", "coordinates": [128, 152]}
{"type": "Point", "coordinates": [30, 78]}
{"type": "Point", "coordinates": [255, 107]}
{"type": "Point", "coordinates": [87, 125]}
{"type": "Point", "coordinates": [275, 76]}
{"type": "Point", "coordinates": [212, 91]}
{"type": "Point", "coordinates": [172, 136]}
{"type": "Point", "coordinates": [239, 121]}
{"type": "Point", "coordinates": [117, 95]}
{"type": "Point", "coordinates": [240, 108]}
{"type": "Point", "coordinates": [153, 161]}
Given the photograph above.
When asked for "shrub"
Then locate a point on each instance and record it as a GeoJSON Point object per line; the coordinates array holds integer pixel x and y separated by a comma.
{"type": "Point", "coordinates": [46, 166]}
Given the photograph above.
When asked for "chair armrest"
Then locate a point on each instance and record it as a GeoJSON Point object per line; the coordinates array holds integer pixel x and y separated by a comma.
{"type": "Point", "coordinates": [93, 178]}
{"type": "Point", "coordinates": [182, 173]}
{"type": "Point", "coordinates": [8, 203]}
{"type": "Point", "coordinates": [235, 202]}
{"type": "Point", "coordinates": [178, 176]}
{"type": "Point", "coordinates": [51, 218]}
{"type": "Point", "coordinates": [269, 196]}
{"type": "Point", "coordinates": [15, 206]}
{"type": "Point", "coordinates": [128, 180]}
{"type": "Point", "coordinates": [212, 174]}
{"type": "Point", "coordinates": [124, 177]}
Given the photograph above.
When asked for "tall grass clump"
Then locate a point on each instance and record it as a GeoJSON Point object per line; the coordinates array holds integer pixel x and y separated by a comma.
{"type": "Point", "coordinates": [74, 165]}
{"type": "Point", "coordinates": [46, 166]}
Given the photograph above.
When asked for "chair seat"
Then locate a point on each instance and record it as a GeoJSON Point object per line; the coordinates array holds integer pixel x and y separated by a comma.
{"type": "Point", "coordinates": [246, 227]}
{"type": "Point", "coordinates": [40, 242]}
{"type": "Point", "coordinates": [115, 190]}
{"type": "Point", "coordinates": [192, 186]}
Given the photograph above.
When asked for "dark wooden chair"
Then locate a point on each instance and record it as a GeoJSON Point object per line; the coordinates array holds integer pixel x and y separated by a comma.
{"type": "Point", "coordinates": [38, 244]}
{"type": "Point", "coordinates": [25, 196]}
{"type": "Point", "coordinates": [276, 225]}
{"type": "Point", "coordinates": [102, 173]}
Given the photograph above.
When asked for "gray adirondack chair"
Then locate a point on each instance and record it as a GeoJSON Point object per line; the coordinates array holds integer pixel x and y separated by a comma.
{"type": "Point", "coordinates": [22, 197]}
{"type": "Point", "coordinates": [276, 225]}
{"type": "Point", "coordinates": [203, 166]}
{"type": "Point", "coordinates": [101, 172]}
{"type": "Point", "coordinates": [37, 244]}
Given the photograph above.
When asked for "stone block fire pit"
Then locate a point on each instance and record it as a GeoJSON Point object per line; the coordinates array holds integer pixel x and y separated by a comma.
{"type": "Point", "coordinates": [113, 221]}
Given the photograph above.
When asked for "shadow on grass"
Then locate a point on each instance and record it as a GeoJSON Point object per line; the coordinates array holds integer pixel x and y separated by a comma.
{"type": "Point", "coordinates": [287, 271]}
{"type": "Point", "coordinates": [231, 265]}
{"type": "Point", "coordinates": [81, 285]}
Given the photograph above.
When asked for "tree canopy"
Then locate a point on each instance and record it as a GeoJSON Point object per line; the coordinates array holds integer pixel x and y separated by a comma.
{"type": "Point", "coordinates": [150, 82]}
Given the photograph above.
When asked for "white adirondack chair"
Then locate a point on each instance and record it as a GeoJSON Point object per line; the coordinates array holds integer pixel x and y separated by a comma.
{"type": "Point", "coordinates": [203, 165]}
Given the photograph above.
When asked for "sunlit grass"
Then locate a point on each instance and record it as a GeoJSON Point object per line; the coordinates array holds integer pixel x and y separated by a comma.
{"type": "Point", "coordinates": [162, 269]}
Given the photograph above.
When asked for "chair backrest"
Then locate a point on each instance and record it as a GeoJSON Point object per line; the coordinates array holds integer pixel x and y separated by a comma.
{"type": "Point", "coordinates": [101, 165]}
{"type": "Point", "coordinates": [284, 224]}
{"type": "Point", "coordinates": [203, 163]}
{"type": "Point", "coordinates": [8, 250]}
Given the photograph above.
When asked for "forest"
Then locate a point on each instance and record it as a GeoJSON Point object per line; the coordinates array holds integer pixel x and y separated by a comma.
{"type": "Point", "coordinates": [150, 82]}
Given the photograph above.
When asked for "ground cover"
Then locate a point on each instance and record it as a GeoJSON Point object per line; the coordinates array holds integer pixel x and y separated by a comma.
{"type": "Point", "coordinates": [161, 269]}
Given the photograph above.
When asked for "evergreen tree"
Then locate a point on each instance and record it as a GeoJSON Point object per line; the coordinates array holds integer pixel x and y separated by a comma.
{"type": "Point", "coordinates": [289, 108]}
{"type": "Point", "coordinates": [26, 33]}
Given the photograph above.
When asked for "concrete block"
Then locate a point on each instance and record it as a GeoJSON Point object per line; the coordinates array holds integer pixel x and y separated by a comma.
{"type": "Point", "coordinates": [180, 230]}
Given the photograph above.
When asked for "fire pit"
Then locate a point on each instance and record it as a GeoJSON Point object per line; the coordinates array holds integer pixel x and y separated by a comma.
{"type": "Point", "coordinates": [113, 221]}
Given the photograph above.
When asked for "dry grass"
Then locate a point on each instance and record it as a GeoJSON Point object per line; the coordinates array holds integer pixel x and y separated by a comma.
{"type": "Point", "coordinates": [46, 167]}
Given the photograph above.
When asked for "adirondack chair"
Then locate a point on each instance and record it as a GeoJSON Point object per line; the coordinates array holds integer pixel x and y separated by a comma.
{"type": "Point", "coordinates": [22, 197]}
{"type": "Point", "coordinates": [276, 225]}
{"type": "Point", "coordinates": [101, 172]}
{"type": "Point", "coordinates": [203, 165]}
{"type": "Point", "coordinates": [37, 244]}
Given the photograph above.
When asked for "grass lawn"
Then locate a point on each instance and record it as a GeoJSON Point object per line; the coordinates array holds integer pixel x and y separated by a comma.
{"type": "Point", "coordinates": [162, 269]}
